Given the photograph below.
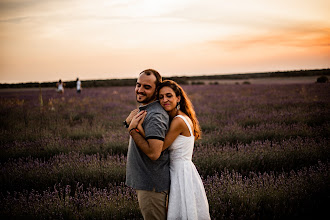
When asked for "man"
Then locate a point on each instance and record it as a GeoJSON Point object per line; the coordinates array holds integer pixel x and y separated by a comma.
{"type": "Point", "coordinates": [148, 174]}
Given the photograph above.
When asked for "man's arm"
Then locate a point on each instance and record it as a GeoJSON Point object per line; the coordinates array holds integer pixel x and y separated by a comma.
{"type": "Point", "coordinates": [155, 127]}
{"type": "Point", "coordinates": [151, 147]}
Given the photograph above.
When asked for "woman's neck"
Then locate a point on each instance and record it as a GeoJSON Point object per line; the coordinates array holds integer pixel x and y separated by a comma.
{"type": "Point", "coordinates": [173, 113]}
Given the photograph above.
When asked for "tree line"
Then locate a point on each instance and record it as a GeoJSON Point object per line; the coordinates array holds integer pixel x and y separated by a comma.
{"type": "Point", "coordinates": [179, 79]}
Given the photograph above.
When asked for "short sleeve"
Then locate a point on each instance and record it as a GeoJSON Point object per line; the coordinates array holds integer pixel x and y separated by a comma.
{"type": "Point", "coordinates": [155, 126]}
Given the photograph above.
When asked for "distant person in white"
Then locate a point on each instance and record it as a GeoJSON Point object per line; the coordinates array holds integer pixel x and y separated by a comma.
{"type": "Point", "coordinates": [78, 86]}
{"type": "Point", "coordinates": [60, 86]}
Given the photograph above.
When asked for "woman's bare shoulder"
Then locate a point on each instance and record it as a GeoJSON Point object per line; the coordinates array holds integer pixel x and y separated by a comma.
{"type": "Point", "coordinates": [178, 122]}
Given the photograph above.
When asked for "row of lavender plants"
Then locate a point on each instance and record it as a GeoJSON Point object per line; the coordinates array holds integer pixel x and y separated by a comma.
{"type": "Point", "coordinates": [97, 170]}
{"type": "Point", "coordinates": [264, 152]}
{"type": "Point", "coordinates": [231, 196]}
{"type": "Point", "coordinates": [91, 123]}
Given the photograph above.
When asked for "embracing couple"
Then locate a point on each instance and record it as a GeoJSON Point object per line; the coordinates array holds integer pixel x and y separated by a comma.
{"type": "Point", "coordinates": [159, 159]}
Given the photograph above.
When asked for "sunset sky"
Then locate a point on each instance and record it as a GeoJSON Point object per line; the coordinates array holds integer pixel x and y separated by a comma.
{"type": "Point", "coordinates": [45, 40]}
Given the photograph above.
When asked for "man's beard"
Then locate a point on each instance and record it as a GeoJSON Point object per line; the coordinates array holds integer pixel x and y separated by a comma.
{"type": "Point", "coordinates": [147, 99]}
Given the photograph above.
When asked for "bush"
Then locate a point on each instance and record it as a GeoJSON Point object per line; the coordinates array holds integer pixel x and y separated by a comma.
{"type": "Point", "coordinates": [322, 79]}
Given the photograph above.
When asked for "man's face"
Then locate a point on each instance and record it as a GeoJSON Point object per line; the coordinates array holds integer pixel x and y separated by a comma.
{"type": "Point", "coordinates": [145, 89]}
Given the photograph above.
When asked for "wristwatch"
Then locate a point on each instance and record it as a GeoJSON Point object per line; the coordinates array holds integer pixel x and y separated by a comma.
{"type": "Point", "coordinates": [125, 123]}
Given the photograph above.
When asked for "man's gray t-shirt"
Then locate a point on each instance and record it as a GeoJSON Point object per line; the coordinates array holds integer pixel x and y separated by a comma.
{"type": "Point", "coordinates": [142, 173]}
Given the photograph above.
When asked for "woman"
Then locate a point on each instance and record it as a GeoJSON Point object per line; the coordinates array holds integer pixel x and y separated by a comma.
{"type": "Point", "coordinates": [187, 199]}
{"type": "Point", "coordinates": [60, 86]}
{"type": "Point", "coordinates": [78, 85]}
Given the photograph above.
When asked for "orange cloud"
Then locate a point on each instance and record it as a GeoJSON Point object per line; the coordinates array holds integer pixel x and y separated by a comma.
{"type": "Point", "coordinates": [318, 37]}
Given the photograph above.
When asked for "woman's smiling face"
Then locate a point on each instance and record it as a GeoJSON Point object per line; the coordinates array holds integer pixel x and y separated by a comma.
{"type": "Point", "coordinates": [168, 99]}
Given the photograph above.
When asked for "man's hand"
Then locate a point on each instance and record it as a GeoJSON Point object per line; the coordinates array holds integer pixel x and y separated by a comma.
{"type": "Point", "coordinates": [136, 119]}
{"type": "Point", "coordinates": [131, 115]}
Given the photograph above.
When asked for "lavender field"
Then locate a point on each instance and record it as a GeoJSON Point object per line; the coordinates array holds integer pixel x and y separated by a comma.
{"type": "Point", "coordinates": [264, 152]}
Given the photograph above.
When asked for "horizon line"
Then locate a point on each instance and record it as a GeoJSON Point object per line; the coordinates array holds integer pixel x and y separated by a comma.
{"type": "Point", "coordinates": [178, 76]}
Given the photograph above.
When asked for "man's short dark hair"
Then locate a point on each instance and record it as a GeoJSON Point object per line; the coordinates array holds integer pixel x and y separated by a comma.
{"type": "Point", "coordinates": [149, 72]}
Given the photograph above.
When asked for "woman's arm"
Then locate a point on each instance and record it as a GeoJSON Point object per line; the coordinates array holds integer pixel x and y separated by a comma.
{"type": "Point", "coordinates": [139, 126]}
{"type": "Point", "coordinates": [176, 128]}
{"type": "Point", "coordinates": [149, 147]}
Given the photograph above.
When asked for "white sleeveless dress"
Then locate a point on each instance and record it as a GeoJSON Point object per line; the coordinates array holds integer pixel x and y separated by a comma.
{"type": "Point", "coordinates": [187, 198]}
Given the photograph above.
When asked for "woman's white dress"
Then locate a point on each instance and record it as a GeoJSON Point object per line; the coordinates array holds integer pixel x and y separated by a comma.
{"type": "Point", "coordinates": [60, 87]}
{"type": "Point", "coordinates": [187, 198]}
